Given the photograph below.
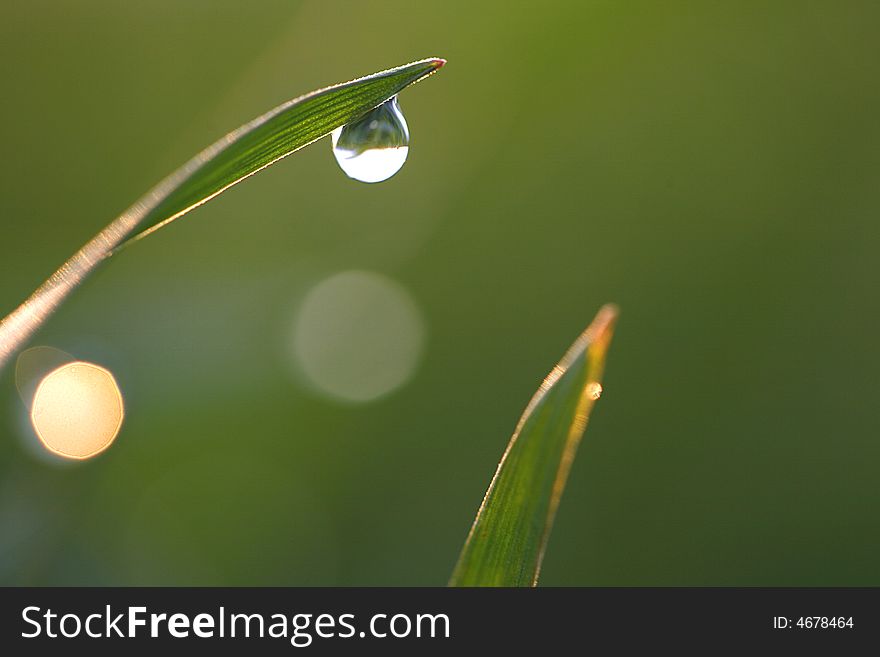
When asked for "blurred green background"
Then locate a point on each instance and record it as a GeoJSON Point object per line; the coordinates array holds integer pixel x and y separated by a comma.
{"type": "Point", "coordinates": [711, 167]}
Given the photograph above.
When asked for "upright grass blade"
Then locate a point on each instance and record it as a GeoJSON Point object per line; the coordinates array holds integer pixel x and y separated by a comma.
{"type": "Point", "coordinates": [241, 153]}
{"type": "Point", "coordinates": [506, 543]}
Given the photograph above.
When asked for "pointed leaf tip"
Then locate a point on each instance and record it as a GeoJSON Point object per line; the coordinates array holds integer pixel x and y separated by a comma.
{"type": "Point", "coordinates": [506, 543]}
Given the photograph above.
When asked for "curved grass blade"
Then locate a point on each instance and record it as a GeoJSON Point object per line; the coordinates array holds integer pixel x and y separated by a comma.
{"type": "Point", "coordinates": [242, 153]}
{"type": "Point", "coordinates": [506, 544]}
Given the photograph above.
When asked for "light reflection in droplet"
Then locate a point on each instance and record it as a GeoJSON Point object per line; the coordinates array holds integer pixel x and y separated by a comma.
{"type": "Point", "coordinates": [77, 410]}
{"type": "Point", "coordinates": [358, 336]}
{"type": "Point", "coordinates": [374, 147]}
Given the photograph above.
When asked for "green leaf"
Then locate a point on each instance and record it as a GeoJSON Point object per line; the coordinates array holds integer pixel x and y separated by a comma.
{"type": "Point", "coordinates": [274, 135]}
{"type": "Point", "coordinates": [506, 543]}
{"type": "Point", "coordinates": [241, 153]}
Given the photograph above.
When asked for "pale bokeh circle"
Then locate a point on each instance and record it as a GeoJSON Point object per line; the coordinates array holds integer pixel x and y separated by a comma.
{"type": "Point", "coordinates": [358, 336]}
{"type": "Point", "coordinates": [77, 410]}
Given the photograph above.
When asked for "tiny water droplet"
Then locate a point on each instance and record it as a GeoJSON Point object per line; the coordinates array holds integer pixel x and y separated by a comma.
{"type": "Point", "coordinates": [594, 390]}
{"type": "Point", "coordinates": [374, 147]}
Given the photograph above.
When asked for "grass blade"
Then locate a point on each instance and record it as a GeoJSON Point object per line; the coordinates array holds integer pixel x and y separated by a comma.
{"type": "Point", "coordinates": [506, 543]}
{"type": "Point", "coordinates": [242, 153]}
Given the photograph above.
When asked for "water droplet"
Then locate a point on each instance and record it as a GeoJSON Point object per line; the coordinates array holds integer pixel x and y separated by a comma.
{"type": "Point", "coordinates": [374, 147]}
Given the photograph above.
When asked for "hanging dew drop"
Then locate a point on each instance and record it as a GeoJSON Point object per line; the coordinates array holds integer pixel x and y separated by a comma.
{"type": "Point", "coordinates": [374, 147]}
